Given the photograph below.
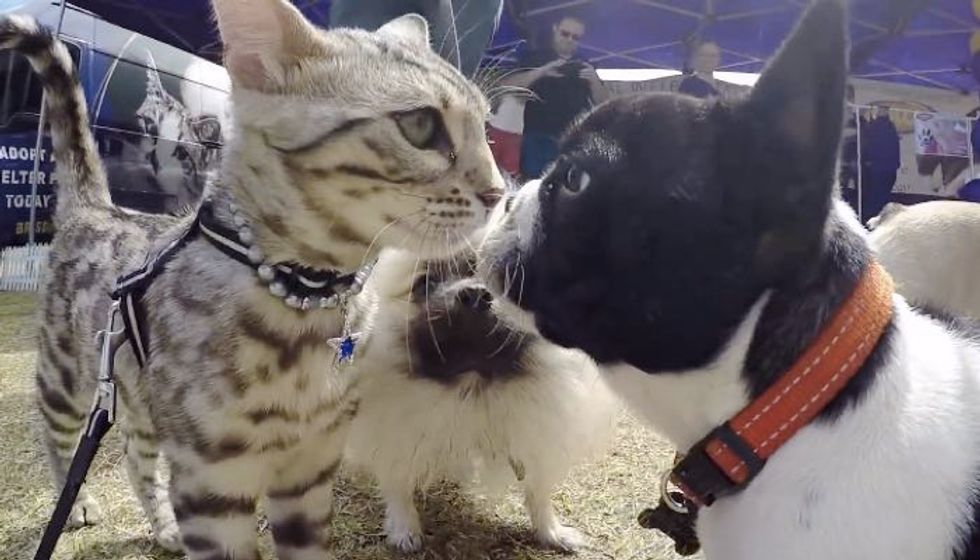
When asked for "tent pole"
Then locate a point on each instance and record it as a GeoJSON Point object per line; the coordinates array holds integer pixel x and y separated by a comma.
{"type": "Point", "coordinates": [973, 174]}
{"type": "Point", "coordinates": [860, 167]}
{"type": "Point", "coordinates": [32, 223]}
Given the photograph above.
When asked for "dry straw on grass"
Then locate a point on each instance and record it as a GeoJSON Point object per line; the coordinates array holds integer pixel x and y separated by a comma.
{"type": "Point", "coordinates": [601, 499]}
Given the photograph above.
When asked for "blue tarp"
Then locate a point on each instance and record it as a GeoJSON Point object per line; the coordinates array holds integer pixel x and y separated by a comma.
{"type": "Point", "coordinates": [923, 42]}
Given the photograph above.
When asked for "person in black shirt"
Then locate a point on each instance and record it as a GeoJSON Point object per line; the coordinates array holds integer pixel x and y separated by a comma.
{"type": "Point", "coordinates": [564, 86]}
{"type": "Point", "coordinates": [705, 60]}
{"type": "Point", "coordinates": [881, 158]}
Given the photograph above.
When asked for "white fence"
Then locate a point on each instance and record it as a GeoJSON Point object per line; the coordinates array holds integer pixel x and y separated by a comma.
{"type": "Point", "coordinates": [22, 268]}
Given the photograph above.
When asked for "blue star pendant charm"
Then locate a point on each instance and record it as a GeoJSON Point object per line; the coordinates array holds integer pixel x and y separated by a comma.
{"type": "Point", "coordinates": [345, 346]}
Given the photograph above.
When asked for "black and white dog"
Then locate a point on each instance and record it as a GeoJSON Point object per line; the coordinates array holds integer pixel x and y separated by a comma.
{"type": "Point", "coordinates": [696, 250]}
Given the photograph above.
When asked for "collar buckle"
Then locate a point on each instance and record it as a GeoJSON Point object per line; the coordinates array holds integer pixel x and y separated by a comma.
{"type": "Point", "coordinates": [699, 474]}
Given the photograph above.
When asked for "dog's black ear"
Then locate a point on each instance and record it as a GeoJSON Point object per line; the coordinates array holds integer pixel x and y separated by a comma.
{"type": "Point", "coordinates": [800, 95]}
{"type": "Point", "coordinates": [796, 116]}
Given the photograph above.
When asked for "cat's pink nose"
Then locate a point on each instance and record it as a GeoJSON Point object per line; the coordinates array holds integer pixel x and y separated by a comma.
{"type": "Point", "coordinates": [491, 197]}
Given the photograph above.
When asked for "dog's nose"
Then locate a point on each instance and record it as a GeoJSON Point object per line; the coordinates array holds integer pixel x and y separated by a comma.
{"type": "Point", "coordinates": [490, 197]}
{"type": "Point", "coordinates": [477, 298]}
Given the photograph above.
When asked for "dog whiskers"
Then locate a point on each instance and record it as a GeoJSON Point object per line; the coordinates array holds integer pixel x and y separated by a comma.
{"type": "Point", "coordinates": [507, 339]}
{"type": "Point", "coordinates": [520, 289]}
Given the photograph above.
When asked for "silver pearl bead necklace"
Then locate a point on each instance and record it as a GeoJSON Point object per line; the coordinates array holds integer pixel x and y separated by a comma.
{"type": "Point", "coordinates": [269, 272]}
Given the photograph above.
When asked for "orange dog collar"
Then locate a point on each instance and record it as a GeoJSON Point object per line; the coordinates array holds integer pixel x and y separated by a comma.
{"type": "Point", "coordinates": [733, 454]}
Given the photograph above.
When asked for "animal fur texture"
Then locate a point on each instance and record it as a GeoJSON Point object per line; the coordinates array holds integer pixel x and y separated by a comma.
{"type": "Point", "coordinates": [452, 391]}
{"type": "Point", "coordinates": [932, 250]}
{"type": "Point", "coordinates": [695, 249]}
{"type": "Point", "coordinates": [343, 142]}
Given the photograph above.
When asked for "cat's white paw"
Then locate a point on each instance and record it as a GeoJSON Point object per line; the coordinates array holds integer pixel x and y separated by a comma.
{"type": "Point", "coordinates": [86, 511]}
{"type": "Point", "coordinates": [169, 538]}
{"type": "Point", "coordinates": [404, 534]}
{"type": "Point", "coordinates": [561, 537]}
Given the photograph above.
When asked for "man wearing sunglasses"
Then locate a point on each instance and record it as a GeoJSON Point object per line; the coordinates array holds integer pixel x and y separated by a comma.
{"type": "Point", "coordinates": [563, 85]}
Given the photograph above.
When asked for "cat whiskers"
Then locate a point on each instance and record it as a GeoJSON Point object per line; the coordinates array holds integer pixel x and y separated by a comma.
{"type": "Point", "coordinates": [452, 265]}
{"type": "Point", "coordinates": [493, 90]}
{"type": "Point", "coordinates": [520, 297]}
{"type": "Point", "coordinates": [451, 30]}
{"type": "Point", "coordinates": [508, 284]}
{"type": "Point", "coordinates": [410, 194]}
{"type": "Point", "coordinates": [484, 76]}
{"type": "Point", "coordinates": [461, 38]}
{"type": "Point", "coordinates": [469, 244]}
{"type": "Point", "coordinates": [428, 318]}
{"type": "Point", "coordinates": [499, 91]}
{"type": "Point", "coordinates": [411, 279]}
{"type": "Point", "coordinates": [508, 278]}
{"type": "Point", "coordinates": [367, 252]}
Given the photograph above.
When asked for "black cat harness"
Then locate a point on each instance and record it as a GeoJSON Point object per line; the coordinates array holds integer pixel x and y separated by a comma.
{"type": "Point", "coordinates": [299, 287]}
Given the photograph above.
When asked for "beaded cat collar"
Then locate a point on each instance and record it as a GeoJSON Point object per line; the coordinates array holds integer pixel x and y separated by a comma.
{"type": "Point", "coordinates": [299, 287]}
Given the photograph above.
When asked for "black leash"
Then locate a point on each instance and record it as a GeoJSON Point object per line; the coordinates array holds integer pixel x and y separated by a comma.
{"type": "Point", "coordinates": [100, 420]}
{"type": "Point", "coordinates": [88, 446]}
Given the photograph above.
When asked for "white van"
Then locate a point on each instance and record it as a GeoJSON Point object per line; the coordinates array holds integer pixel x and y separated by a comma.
{"type": "Point", "coordinates": [157, 112]}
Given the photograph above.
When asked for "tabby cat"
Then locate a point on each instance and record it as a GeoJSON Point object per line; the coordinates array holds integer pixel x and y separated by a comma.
{"type": "Point", "coordinates": [343, 141]}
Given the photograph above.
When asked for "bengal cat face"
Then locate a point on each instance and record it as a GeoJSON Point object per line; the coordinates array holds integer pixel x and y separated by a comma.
{"type": "Point", "coordinates": [347, 139]}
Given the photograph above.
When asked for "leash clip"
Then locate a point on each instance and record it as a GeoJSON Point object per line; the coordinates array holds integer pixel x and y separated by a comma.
{"type": "Point", "coordinates": [111, 338]}
{"type": "Point", "coordinates": [677, 505]}
{"type": "Point", "coordinates": [101, 418]}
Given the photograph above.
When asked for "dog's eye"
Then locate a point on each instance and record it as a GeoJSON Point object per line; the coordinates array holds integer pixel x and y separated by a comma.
{"type": "Point", "coordinates": [576, 180]}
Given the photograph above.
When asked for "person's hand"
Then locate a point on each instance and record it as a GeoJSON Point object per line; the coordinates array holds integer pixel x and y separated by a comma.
{"type": "Point", "coordinates": [597, 89]}
{"type": "Point", "coordinates": [552, 69]}
{"type": "Point", "coordinates": [589, 74]}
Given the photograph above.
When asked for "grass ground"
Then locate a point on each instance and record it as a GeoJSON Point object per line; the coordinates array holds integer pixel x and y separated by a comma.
{"type": "Point", "coordinates": [601, 499]}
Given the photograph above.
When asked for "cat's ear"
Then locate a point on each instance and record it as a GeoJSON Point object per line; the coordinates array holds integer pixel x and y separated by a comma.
{"type": "Point", "coordinates": [262, 39]}
{"type": "Point", "coordinates": [411, 28]}
{"type": "Point", "coordinates": [799, 98]}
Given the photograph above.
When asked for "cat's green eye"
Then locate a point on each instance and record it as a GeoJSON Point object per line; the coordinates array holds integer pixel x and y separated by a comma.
{"type": "Point", "coordinates": [421, 127]}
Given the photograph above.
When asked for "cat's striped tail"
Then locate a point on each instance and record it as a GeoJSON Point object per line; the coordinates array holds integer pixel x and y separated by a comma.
{"type": "Point", "coordinates": [82, 181]}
